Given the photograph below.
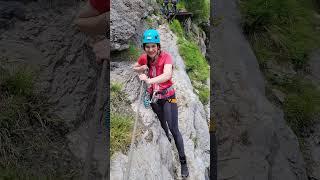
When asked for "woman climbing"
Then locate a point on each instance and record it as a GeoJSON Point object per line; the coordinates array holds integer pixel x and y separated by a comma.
{"type": "Point", "coordinates": [160, 90]}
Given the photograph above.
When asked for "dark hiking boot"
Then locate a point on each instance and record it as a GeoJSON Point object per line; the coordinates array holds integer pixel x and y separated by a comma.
{"type": "Point", "coordinates": [184, 167]}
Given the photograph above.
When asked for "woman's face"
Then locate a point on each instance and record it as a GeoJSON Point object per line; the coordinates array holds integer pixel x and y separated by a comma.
{"type": "Point", "coordinates": [151, 50]}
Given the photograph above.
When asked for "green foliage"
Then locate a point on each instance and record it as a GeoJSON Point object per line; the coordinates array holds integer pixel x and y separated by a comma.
{"type": "Point", "coordinates": [120, 136]}
{"type": "Point", "coordinates": [199, 8]}
{"type": "Point", "coordinates": [181, 5]}
{"type": "Point", "coordinates": [196, 67]}
{"type": "Point", "coordinates": [134, 52]}
{"type": "Point", "coordinates": [18, 82]}
{"type": "Point", "coordinates": [116, 88]}
{"type": "Point", "coordinates": [284, 31]}
{"type": "Point", "coordinates": [301, 110]}
{"type": "Point", "coordinates": [28, 129]}
{"type": "Point", "coordinates": [302, 105]}
{"type": "Point", "coordinates": [204, 94]}
{"type": "Point", "coordinates": [176, 27]}
{"type": "Point", "coordinates": [12, 173]}
{"type": "Point", "coordinates": [121, 120]}
{"type": "Point", "coordinates": [280, 30]}
{"type": "Point", "coordinates": [196, 64]}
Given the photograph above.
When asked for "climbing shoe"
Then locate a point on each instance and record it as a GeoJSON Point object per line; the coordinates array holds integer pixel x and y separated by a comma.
{"type": "Point", "coordinates": [184, 167]}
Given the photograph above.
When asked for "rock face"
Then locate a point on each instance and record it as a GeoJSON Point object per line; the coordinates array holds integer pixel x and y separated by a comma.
{"type": "Point", "coordinates": [313, 152]}
{"type": "Point", "coordinates": [155, 157]}
{"type": "Point", "coordinates": [201, 37]}
{"type": "Point", "coordinates": [254, 141]}
{"type": "Point", "coordinates": [68, 73]}
{"type": "Point", "coordinates": [315, 67]}
{"type": "Point", "coordinates": [125, 20]}
{"type": "Point", "coordinates": [312, 140]}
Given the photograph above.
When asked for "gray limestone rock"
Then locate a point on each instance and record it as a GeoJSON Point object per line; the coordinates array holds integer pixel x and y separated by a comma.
{"type": "Point", "coordinates": [122, 29]}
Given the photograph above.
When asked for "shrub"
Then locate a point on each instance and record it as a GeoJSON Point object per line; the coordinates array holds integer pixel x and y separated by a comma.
{"type": "Point", "coordinates": [280, 30]}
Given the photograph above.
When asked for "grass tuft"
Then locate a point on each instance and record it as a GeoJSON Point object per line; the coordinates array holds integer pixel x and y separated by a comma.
{"type": "Point", "coordinates": [121, 120]}
{"type": "Point", "coordinates": [31, 136]}
{"type": "Point", "coordinates": [196, 65]}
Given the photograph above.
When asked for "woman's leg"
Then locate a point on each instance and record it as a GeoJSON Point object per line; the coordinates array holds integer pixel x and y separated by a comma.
{"type": "Point", "coordinates": [158, 109]}
{"type": "Point", "coordinates": [171, 116]}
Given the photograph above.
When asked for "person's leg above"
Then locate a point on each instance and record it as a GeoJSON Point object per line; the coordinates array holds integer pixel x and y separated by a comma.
{"type": "Point", "coordinates": [166, 8]}
{"type": "Point", "coordinates": [174, 5]}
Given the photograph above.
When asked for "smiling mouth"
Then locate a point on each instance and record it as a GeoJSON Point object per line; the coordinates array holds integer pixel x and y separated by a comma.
{"type": "Point", "coordinates": [152, 54]}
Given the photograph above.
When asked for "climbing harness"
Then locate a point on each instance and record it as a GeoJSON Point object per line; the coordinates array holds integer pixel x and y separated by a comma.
{"type": "Point", "coordinates": [157, 93]}
{"type": "Point", "coordinates": [172, 100]}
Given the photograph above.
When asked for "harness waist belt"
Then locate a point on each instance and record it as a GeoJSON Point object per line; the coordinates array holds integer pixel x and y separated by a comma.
{"type": "Point", "coordinates": [165, 91]}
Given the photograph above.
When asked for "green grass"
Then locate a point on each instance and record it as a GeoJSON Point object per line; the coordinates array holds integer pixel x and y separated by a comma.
{"type": "Point", "coordinates": [199, 8]}
{"type": "Point", "coordinates": [280, 30]}
{"type": "Point", "coordinates": [196, 65]}
{"type": "Point", "coordinates": [120, 136]}
{"type": "Point", "coordinates": [284, 32]}
{"type": "Point", "coordinates": [31, 137]}
{"type": "Point", "coordinates": [121, 120]}
{"type": "Point", "coordinates": [181, 5]}
{"type": "Point", "coordinates": [18, 82]}
{"type": "Point", "coordinates": [204, 94]}
{"type": "Point", "coordinates": [14, 174]}
{"type": "Point", "coordinates": [133, 52]}
{"type": "Point", "coordinates": [176, 27]}
{"type": "Point", "coordinates": [302, 105]}
{"type": "Point", "coordinates": [116, 88]}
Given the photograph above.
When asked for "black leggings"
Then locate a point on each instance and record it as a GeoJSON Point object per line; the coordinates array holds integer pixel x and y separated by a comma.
{"type": "Point", "coordinates": [168, 114]}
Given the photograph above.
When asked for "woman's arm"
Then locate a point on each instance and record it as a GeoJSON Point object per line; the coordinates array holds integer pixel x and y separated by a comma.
{"type": "Point", "coordinates": [95, 24]}
{"type": "Point", "coordinates": [139, 68]}
{"type": "Point", "coordinates": [88, 11]}
{"type": "Point", "coordinates": [167, 74]}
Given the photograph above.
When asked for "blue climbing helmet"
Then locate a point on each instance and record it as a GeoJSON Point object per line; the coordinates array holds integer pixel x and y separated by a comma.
{"type": "Point", "coordinates": [151, 36]}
